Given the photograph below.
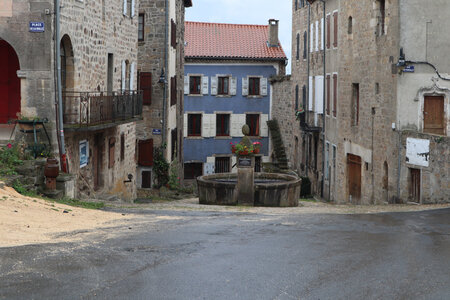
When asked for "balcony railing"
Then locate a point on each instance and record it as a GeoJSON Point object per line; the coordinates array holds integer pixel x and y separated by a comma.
{"type": "Point", "coordinates": [88, 109]}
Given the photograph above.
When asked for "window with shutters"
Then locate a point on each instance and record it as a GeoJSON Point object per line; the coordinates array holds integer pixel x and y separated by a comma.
{"type": "Point", "coordinates": [335, 94]}
{"type": "Point", "coordinates": [223, 85]}
{"type": "Point", "coordinates": [141, 25]}
{"type": "Point", "coordinates": [433, 115]}
{"type": "Point", "coordinates": [195, 85]}
{"type": "Point", "coordinates": [173, 34]}
{"type": "Point", "coordinates": [252, 120]}
{"type": "Point", "coordinates": [222, 165]}
{"type": "Point", "coordinates": [173, 90]}
{"type": "Point", "coordinates": [192, 170]}
{"type": "Point", "coordinates": [222, 125]}
{"type": "Point", "coordinates": [253, 86]}
{"type": "Point", "coordinates": [328, 94]}
{"type": "Point", "coordinates": [355, 104]}
{"type": "Point", "coordinates": [112, 145]}
{"type": "Point", "coordinates": [335, 27]}
{"type": "Point", "coordinates": [194, 124]}
{"type": "Point", "coordinates": [145, 85]}
{"type": "Point", "coordinates": [145, 152]}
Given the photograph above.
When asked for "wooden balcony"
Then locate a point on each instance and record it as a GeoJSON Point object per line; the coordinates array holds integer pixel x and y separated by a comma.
{"type": "Point", "coordinates": [88, 111]}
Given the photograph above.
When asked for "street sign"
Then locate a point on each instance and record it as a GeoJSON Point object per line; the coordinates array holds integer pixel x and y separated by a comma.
{"type": "Point", "coordinates": [409, 69]}
{"type": "Point", "coordinates": [37, 27]}
{"type": "Point", "coordinates": [156, 131]}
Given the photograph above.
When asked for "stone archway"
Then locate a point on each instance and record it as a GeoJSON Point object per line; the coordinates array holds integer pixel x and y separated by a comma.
{"type": "Point", "coordinates": [9, 83]}
{"type": "Point", "coordinates": [67, 64]}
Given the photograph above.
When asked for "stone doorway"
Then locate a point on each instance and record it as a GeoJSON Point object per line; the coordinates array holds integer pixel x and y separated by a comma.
{"type": "Point", "coordinates": [354, 178]}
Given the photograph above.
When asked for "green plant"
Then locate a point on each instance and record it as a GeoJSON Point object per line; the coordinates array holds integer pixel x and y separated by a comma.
{"type": "Point", "coordinates": [161, 167]}
{"type": "Point", "coordinates": [244, 149]}
{"type": "Point", "coordinates": [22, 190]}
{"type": "Point", "coordinates": [174, 180]}
{"type": "Point", "coordinates": [9, 159]}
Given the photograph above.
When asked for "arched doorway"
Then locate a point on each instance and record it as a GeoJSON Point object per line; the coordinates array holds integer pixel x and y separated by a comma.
{"type": "Point", "coordinates": [9, 83]}
{"type": "Point", "coordinates": [67, 64]}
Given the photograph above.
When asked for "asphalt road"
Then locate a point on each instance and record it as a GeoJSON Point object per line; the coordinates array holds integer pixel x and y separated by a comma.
{"type": "Point", "coordinates": [220, 255]}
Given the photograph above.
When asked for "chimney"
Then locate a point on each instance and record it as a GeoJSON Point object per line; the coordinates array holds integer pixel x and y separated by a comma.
{"type": "Point", "coordinates": [273, 33]}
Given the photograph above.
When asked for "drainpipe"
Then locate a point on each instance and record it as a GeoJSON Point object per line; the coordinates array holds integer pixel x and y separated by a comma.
{"type": "Point", "coordinates": [324, 101]}
{"type": "Point", "coordinates": [399, 171]}
{"type": "Point", "coordinates": [60, 125]}
{"type": "Point", "coordinates": [308, 51]}
{"type": "Point", "coordinates": [166, 58]}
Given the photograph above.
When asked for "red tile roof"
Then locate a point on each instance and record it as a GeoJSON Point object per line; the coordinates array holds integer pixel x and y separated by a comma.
{"type": "Point", "coordinates": [236, 41]}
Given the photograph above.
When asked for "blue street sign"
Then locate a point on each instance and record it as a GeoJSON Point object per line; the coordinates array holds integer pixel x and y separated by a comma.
{"type": "Point", "coordinates": [37, 27]}
{"type": "Point", "coordinates": [409, 69]}
{"type": "Point", "coordinates": [156, 131]}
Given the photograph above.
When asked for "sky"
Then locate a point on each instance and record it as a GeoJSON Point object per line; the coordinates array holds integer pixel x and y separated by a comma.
{"type": "Point", "coordinates": [247, 12]}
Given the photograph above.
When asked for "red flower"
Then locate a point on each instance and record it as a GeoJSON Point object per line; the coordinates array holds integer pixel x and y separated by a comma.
{"type": "Point", "coordinates": [9, 146]}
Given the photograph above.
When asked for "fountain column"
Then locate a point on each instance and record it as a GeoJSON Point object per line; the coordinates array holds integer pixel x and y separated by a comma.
{"type": "Point", "coordinates": [244, 193]}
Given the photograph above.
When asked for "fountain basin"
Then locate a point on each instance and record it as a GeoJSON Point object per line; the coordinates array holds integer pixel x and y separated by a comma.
{"type": "Point", "coordinates": [271, 189]}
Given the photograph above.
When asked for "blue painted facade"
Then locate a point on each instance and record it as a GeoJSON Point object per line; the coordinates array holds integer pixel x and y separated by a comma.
{"type": "Point", "coordinates": [198, 149]}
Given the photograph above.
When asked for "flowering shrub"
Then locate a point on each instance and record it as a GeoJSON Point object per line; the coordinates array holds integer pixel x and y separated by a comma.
{"type": "Point", "coordinates": [241, 149]}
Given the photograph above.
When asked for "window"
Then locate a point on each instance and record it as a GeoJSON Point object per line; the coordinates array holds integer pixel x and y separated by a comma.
{"type": "Point", "coordinates": [194, 124]}
{"type": "Point", "coordinates": [194, 85]}
{"type": "Point", "coordinates": [222, 125]}
{"type": "Point", "coordinates": [141, 27]}
{"type": "Point", "coordinates": [296, 97]}
{"type": "Point", "coordinates": [193, 170]}
{"type": "Point", "coordinates": [223, 85]}
{"type": "Point", "coordinates": [296, 4]}
{"type": "Point", "coordinates": [382, 17]}
{"type": "Point", "coordinates": [297, 55]}
{"type": "Point", "coordinates": [311, 38]}
{"type": "Point", "coordinates": [173, 90]}
{"type": "Point", "coordinates": [335, 90]}
{"type": "Point", "coordinates": [305, 44]}
{"type": "Point", "coordinates": [350, 25]}
{"type": "Point", "coordinates": [433, 115]}
{"type": "Point", "coordinates": [173, 34]}
{"type": "Point", "coordinates": [328, 95]}
{"type": "Point", "coordinates": [253, 86]}
{"type": "Point", "coordinates": [145, 152]}
{"type": "Point", "coordinates": [355, 104]}
{"type": "Point", "coordinates": [252, 120]}
{"type": "Point", "coordinates": [112, 146]}
{"type": "Point", "coordinates": [145, 85]}
{"type": "Point", "coordinates": [335, 33]}
{"type": "Point", "coordinates": [122, 146]}
{"type": "Point", "coordinates": [302, 116]}
{"type": "Point", "coordinates": [174, 138]}
{"type": "Point", "coordinates": [328, 31]}
{"type": "Point", "coordinates": [222, 165]}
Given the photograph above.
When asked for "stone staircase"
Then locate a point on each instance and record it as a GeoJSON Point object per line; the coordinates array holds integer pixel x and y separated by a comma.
{"type": "Point", "coordinates": [278, 146]}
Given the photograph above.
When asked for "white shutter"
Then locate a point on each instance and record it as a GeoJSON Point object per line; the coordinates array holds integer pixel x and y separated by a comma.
{"type": "Point", "coordinates": [311, 38]}
{"type": "Point", "coordinates": [264, 129]}
{"type": "Point", "coordinates": [317, 35]}
{"type": "Point", "coordinates": [185, 125]}
{"type": "Point", "coordinates": [205, 128]}
{"type": "Point", "coordinates": [318, 105]}
{"type": "Point", "coordinates": [124, 72]}
{"type": "Point", "coordinates": [310, 99]}
{"type": "Point", "coordinates": [133, 66]}
{"type": "Point", "coordinates": [245, 86]}
{"type": "Point", "coordinates": [263, 87]}
{"type": "Point", "coordinates": [133, 4]}
{"type": "Point", "coordinates": [321, 34]}
{"type": "Point", "coordinates": [214, 85]}
{"type": "Point", "coordinates": [233, 86]}
{"type": "Point", "coordinates": [205, 85]}
{"type": "Point", "coordinates": [213, 120]}
{"type": "Point", "coordinates": [124, 7]}
{"type": "Point", "coordinates": [186, 84]}
{"type": "Point", "coordinates": [236, 125]}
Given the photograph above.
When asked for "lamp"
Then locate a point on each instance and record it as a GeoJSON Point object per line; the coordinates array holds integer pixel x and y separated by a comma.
{"type": "Point", "coordinates": [162, 77]}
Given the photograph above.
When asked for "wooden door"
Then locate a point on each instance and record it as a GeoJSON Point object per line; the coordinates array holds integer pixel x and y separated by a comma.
{"type": "Point", "coordinates": [9, 83]}
{"type": "Point", "coordinates": [433, 115]}
{"type": "Point", "coordinates": [415, 185]}
{"type": "Point", "coordinates": [354, 177]}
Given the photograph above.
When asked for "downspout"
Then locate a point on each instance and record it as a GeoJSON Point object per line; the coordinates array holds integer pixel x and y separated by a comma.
{"type": "Point", "coordinates": [166, 58]}
{"type": "Point", "coordinates": [399, 171]}
{"type": "Point", "coordinates": [308, 51]}
{"type": "Point", "coordinates": [324, 101]}
{"type": "Point", "coordinates": [60, 125]}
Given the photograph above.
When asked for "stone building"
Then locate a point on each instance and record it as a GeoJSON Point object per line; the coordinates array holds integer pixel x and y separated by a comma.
{"type": "Point", "coordinates": [160, 73]}
{"type": "Point", "coordinates": [227, 72]}
{"type": "Point", "coordinates": [98, 50]}
{"type": "Point", "coordinates": [363, 107]}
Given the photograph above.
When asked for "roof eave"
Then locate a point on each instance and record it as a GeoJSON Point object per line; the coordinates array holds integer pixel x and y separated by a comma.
{"type": "Point", "coordinates": [237, 58]}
